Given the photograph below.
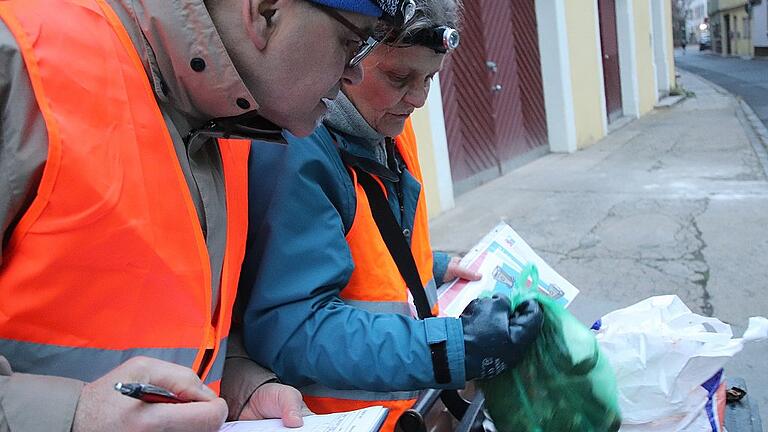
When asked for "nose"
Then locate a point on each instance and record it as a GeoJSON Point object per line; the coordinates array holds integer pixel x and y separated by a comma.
{"type": "Point", "coordinates": [416, 97]}
{"type": "Point", "coordinates": [353, 75]}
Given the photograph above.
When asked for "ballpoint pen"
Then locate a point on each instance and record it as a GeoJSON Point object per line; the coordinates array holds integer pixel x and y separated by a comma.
{"type": "Point", "coordinates": [147, 393]}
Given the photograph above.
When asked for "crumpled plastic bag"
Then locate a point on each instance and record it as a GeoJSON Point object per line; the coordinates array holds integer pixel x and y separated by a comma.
{"type": "Point", "coordinates": [666, 358]}
{"type": "Point", "coordinates": [563, 384]}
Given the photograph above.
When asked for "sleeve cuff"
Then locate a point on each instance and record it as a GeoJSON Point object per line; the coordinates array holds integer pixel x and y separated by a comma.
{"type": "Point", "coordinates": [25, 397]}
{"type": "Point", "coordinates": [242, 376]}
{"type": "Point", "coordinates": [449, 330]}
{"type": "Point", "coordinates": [440, 261]}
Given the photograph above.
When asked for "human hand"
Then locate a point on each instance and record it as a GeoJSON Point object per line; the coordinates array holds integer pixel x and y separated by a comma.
{"type": "Point", "coordinates": [101, 408]}
{"type": "Point", "coordinates": [273, 400]}
{"type": "Point", "coordinates": [456, 270]}
{"type": "Point", "coordinates": [495, 336]}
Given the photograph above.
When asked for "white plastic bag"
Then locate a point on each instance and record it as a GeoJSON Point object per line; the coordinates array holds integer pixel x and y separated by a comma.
{"type": "Point", "coordinates": [663, 354]}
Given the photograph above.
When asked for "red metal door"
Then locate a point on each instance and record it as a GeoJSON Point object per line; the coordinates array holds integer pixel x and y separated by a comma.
{"type": "Point", "coordinates": [610, 43]}
{"type": "Point", "coordinates": [467, 101]}
{"type": "Point", "coordinates": [505, 87]}
{"type": "Point", "coordinates": [492, 90]}
{"type": "Point", "coordinates": [516, 84]}
{"type": "Point", "coordinates": [528, 56]}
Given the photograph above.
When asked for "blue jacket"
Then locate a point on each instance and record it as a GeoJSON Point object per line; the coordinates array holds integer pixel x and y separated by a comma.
{"type": "Point", "coordinates": [302, 201]}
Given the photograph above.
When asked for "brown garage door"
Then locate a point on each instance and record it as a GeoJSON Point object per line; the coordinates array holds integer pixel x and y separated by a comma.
{"type": "Point", "coordinates": [610, 46]}
{"type": "Point", "coordinates": [492, 91]}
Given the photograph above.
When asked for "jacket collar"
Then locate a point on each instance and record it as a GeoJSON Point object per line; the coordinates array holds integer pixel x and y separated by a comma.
{"type": "Point", "coordinates": [343, 117]}
{"type": "Point", "coordinates": [169, 34]}
{"type": "Point", "coordinates": [360, 139]}
{"type": "Point", "coordinates": [368, 165]}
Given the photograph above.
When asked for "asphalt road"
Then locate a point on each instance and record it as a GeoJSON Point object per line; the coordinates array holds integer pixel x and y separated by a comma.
{"type": "Point", "coordinates": [747, 79]}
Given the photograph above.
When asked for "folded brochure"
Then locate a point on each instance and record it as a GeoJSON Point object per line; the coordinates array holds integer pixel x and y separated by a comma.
{"type": "Point", "coordinates": [501, 256]}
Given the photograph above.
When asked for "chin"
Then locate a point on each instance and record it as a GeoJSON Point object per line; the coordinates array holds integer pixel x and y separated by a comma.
{"type": "Point", "coordinates": [304, 129]}
{"type": "Point", "coordinates": [301, 132]}
{"type": "Point", "coordinates": [392, 129]}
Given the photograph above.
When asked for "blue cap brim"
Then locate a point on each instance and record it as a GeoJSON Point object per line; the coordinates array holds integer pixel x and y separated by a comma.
{"type": "Point", "coordinates": [362, 7]}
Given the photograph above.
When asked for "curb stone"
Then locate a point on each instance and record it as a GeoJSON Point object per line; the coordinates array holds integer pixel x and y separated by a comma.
{"type": "Point", "coordinates": [757, 126]}
{"type": "Point", "coordinates": [670, 101]}
{"type": "Point", "coordinates": [760, 130]}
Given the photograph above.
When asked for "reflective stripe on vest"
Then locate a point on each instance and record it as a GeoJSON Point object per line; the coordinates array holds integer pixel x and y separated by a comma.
{"type": "Point", "coordinates": [401, 308]}
{"type": "Point", "coordinates": [376, 285]}
{"type": "Point", "coordinates": [109, 261]}
{"type": "Point", "coordinates": [67, 362]}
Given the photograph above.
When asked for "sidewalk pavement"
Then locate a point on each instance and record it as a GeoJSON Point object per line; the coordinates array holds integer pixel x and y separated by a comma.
{"type": "Point", "coordinates": [673, 203]}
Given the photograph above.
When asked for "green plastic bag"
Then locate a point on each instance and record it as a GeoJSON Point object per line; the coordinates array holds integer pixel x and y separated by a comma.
{"type": "Point", "coordinates": [563, 384]}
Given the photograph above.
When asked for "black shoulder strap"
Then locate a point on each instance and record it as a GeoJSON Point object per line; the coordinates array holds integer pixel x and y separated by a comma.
{"type": "Point", "coordinates": [395, 240]}
{"type": "Point", "coordinates": [400, 251]}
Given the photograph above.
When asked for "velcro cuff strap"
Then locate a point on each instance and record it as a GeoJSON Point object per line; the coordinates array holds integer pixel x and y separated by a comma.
{"type": "Point", "coordinates": [440, 363]}
{"type": "Point", "coordinates": [437, 335]}
{"type": "Point", "coordinates": [436, 331]}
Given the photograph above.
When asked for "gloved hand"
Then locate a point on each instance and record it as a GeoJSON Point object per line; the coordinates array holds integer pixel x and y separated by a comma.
{"type": "Point", "coordinates": [495, 336]}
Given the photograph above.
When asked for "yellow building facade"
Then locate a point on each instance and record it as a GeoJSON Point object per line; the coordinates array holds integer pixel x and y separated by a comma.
{"type": "Point", "coordinates": [586, 71]}
{"type": "Point", "coordinates": [646, 64]}
{"type": "Point", "coordinates": [732, 27]}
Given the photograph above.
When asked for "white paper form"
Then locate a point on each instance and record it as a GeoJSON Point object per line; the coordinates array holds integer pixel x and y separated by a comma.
{"type": "Point", "coordinates": [364, 420]}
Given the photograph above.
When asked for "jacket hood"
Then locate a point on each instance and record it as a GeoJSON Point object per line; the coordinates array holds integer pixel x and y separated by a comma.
{"type": "Point", "coordinates": [186, 58]}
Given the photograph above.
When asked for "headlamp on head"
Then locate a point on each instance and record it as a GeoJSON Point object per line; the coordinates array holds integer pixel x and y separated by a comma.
{"type": "Point", "coordinates": [441, 39]}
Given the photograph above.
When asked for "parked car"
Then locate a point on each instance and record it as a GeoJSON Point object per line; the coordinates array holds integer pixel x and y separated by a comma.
{"type": "Point", "coordinates": [705, 41]}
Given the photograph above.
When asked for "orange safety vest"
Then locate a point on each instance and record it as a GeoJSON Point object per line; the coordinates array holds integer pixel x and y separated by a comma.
{"type": "Point", "coordinates": [376, 285]}
{"type": "Point", "coordinates": [109, 261]}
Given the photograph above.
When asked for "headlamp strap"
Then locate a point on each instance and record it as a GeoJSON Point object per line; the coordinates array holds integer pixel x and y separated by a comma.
{"type": "Point", "coordinates": [441, 39]}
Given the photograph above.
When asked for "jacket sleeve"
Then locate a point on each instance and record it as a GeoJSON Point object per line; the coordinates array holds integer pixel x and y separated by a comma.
{"type": "Point", "coordinates": [298, 262]}
{"type": "Point", "coordinates": [23, 137]}
{"type": "Point", "coordinates": [23, 152]}
{"type": "Point", "coordinates": [24, 397]}
{"type": "Point", "coordinates": [242, 376]}
{"type": "Point", "coordinates": [440, 261]}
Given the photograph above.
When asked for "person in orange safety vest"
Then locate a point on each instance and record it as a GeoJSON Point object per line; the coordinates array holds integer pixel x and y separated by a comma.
{"type": "Point", "coordinates": [328, 282]}
{"type": "Point", "coordinates": [125, 130]}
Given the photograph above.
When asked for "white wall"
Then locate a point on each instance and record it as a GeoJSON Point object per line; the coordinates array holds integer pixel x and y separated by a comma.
{"type": "Point", "coordinates": [625, 27]}
{"type": "Point", "coordinates": [556, 75]}
{"type": "Point", "coordinates": [760, 25]}
{"type": "Point", "coordinates": [660, 46]}
{"type": "Point", "coordinates": [440, 140]}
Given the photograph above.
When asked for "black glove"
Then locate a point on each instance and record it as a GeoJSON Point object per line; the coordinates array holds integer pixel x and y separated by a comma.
{"type": "Point", "coordinates": [495, 337]}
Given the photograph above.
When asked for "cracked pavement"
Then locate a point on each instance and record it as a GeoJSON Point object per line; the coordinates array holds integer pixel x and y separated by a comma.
{"type": "Point", "coordinates": [673, 203]}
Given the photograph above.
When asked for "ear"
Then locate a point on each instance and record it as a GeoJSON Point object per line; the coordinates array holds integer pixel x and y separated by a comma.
{"type": "Point", "coordinates": [257, 20]}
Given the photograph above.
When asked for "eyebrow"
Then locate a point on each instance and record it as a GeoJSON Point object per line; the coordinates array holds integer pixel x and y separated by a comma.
{"type": "Point", "coordinates": [361, 32]}
{"type": "Point", "coordinates": [369, 29]}
{"type": "Point", "coordinates": [397, 70]}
